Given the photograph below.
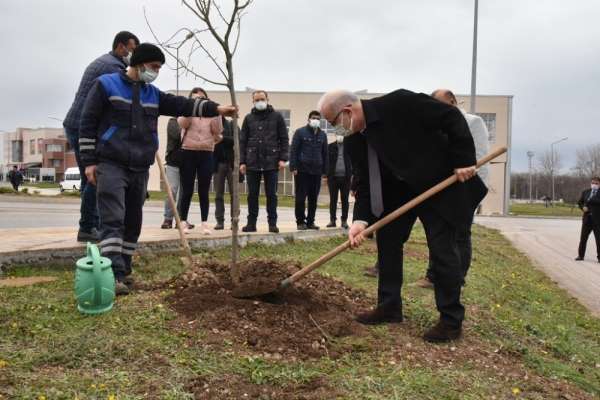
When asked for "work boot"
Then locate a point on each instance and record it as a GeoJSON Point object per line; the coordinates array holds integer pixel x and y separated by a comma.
{"type": "Point", "coordinates": [345, 225]}
{"type": "Point", "coordinates": [312, 227]}
{"type": "Point", "coordinates": [121, 288]}
{"type": "Point", "coordinates": [92, 236]}
{"type": "Point", "coordinates": [167, 224]}
{"type": "Point", "coordinates": [331, 224]}
{"type": "Point", "coordinates": [219, 226]}
{"type": "Point", "coordinates": [424, 283]}
{"type": "Point", "coordinates": [249, 228]}
{"type": "Point", "coordinates": [273, 229]}
{"type": "Point", "coordinates": [129, 281]}
{"type": "Point", "coordinates": [301, 227]}
{"type": "Point", "coordinates": [442, 332]}
{"type": "Point", "coordinates": [380, 315]}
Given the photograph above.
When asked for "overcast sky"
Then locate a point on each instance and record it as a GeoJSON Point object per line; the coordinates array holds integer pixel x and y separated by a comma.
{"type": "Point", "coordinates": [544, 53]}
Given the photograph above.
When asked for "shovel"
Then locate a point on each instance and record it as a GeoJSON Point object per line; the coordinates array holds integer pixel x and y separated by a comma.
{"type": "Point", "coordinates": [189, 259]}
{"type": "Point", "coordinates": [246, 290]}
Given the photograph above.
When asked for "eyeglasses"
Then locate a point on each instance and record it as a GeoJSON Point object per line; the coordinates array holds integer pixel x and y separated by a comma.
{"type": "Point", "coordinates": [338, 115]}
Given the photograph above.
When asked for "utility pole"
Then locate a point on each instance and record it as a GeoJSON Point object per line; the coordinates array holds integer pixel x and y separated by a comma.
{"type": "Point", "coordinates": [530, 154]}
{"type": "Point", "coordinates": [553, 162]}
{"type": "Point", "coordinates": [474, 61]}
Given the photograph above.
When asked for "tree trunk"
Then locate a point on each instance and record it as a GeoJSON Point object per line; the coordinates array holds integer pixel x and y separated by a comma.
{"type": "Point", "coordinates": [235, 196]}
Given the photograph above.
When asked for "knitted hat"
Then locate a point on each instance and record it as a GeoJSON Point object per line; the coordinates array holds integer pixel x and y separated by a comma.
{"type": "Point", "coordinates": [147, 53]}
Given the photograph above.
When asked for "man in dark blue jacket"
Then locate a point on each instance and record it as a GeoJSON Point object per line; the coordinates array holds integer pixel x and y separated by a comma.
{"type": "Point", "coordinates": [308, 163]}
{"type": "Point", "coordinates": [118, 141]}
{"type": "Point", "coordinates": [115, 61]}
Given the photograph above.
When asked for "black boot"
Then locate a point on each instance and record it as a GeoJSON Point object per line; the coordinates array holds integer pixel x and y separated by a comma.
{"type": "Point", "coordinates": [380, 315]}
{"type": "Point", "coordinates": [442, 332]}
{"type": "Point", "coordinates": [331, 224]}
{"type": "Point", "coordinates": [249, 228]}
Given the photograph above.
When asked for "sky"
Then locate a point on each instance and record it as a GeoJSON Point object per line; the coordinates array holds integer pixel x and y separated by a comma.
{"type": "Point", "coordinates": [544, 53]}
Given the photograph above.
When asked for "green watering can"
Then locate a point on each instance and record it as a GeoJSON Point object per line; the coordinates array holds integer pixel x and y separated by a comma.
{"type": "Point", "coordinates": [94, 282]}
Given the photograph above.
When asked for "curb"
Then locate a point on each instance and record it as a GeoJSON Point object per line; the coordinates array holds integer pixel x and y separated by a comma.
{"type": "Point", "coordinates": [71, 254]}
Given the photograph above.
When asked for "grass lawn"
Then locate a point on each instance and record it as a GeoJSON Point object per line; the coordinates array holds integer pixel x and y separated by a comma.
{"type": "Point", "coordinates": [524, 338]}
{"type": "Point", "coordinates": [42, 185]}
{"type": "Point", "coordinates": [558, 210]}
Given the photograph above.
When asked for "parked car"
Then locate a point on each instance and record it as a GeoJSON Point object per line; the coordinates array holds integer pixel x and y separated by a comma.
{"type": "Point", "coordinates": [72, 180]}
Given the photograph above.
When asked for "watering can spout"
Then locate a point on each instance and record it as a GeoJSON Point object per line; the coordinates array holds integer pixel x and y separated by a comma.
{"type": "Point", "coordinates": [94, 282]}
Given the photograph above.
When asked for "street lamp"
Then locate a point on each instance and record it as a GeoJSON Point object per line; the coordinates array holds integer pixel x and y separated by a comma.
{"type": "Point", "coordinates": [474, 61]}
{"type": "Point", "coordinates": [187, 37]}
{"type": "Point", "coordinates": [530, 154]}
{"type": "Point", "coordinates": [553, 160]}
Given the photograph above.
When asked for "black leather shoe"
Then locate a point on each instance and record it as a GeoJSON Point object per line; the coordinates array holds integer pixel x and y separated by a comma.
{"type": "Point", "coordinates": [345, 225]}
{"type": "Point", "coordinates": [579, 259]}
{"type": "Point", "coordinates": [249, 228]}
{"type": "Point", "coordinates": [301, 227]}
{"type": "Point", "coordinates": [273, 229]}
{"type": "Point", "coordinates": [312, 227]}
{"type": "Point", "coordinates": [379, 315]}
{"type": "Point", "coordinates": [442, 332]}
{"type": "Point", "coordinates": [219, 226]}
{"type": "Point", "coordinates": [331, 225]}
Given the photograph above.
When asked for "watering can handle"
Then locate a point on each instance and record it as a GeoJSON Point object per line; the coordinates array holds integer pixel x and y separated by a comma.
{"type": "Point", "coordinates": [94, 254]}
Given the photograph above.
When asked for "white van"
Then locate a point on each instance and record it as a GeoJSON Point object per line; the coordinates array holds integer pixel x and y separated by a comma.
{"type": "Point", "coordinates": [72, 180]}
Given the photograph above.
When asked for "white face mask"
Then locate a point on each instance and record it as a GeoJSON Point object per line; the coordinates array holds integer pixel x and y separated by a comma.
{"type": "Point", "coordinates": [595, 186]}
{"type": "Point", "coordinates": [127, 58]}
{"type": "Point", "coordinates": [260, 105]}
{"type": "Point", "coordinates": [340, 130]}
{"type": "Point", "coordinates": [314, 123]}
{"type": "Point", "coordinates": [339, 138]}
{"type": "Point", "coordinates": [148, 75]}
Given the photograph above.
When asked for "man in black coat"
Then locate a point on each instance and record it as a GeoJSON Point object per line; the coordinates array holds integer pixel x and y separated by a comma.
{"type": "Point", "coordinates": [264, 146]}
{"type": "Point", "coordinates": [339, 175]}
{"type": "Point", "coordinates": [589, 203]}
{"type": "Point", "coordinates": [400, 145]}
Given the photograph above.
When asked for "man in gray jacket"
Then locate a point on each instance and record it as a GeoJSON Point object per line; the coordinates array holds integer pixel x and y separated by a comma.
{"type": "Point", "coordinates": [116, 60]}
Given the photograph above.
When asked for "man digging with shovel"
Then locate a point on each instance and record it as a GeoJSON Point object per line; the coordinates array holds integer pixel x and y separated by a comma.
{"type": "Point", "coordinates": [401, 144]}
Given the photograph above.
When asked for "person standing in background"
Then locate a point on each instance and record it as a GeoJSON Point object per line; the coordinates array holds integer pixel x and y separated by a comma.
{"type": "Point", "coordinates": [339, 175]}
{"type": "Point", "coordinates": [172, 169]}
{"type": "Point", "coordinates": [308, 163]}
{"type": "Point", "coordinates": [199, 136]}
{"type": "Point", "coordinates": [223, 157]}
{"type": "Point", "coordinates": [589, 203]}
{"type": "Point", "coordinates": [116, 60]}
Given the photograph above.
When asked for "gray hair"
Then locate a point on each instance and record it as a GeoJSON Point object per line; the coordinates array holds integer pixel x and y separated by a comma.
{"type": "Point", "coordinates": [336, 100]}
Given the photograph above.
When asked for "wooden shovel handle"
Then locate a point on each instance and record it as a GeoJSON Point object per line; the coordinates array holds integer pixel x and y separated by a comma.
{"type": "Point", "coordinates": [387, 219]}
{"type": "Point", "coordinates": [184, 241]}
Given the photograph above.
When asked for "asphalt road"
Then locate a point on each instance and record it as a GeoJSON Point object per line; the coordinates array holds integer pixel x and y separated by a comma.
{"type": "Point", "coordinates": [552, 245]}
{"type": "Point", "coordinates": [43, 213]}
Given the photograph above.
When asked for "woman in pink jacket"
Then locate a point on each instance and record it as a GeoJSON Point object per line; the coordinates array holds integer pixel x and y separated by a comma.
{"type": "Point", "coordinates": [199, 136]}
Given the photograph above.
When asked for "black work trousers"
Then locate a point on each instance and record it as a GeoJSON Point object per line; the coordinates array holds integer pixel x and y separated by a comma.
{"type": "Point", "coordinates": [121, 194]}
{"type": "Point", "coordinates": [443, 250]}
{"type": "Point", "coordinates": [338, 185]}
{"type": "Point", "coordinates": [588, 226]}
{"type": "Point", "coordinates": [308, 187]}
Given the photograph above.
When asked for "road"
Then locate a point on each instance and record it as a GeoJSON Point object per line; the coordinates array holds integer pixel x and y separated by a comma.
{"type": "Point", "coordinates": [552, 245]}
{"type": "Point", "coordinates": [44, 213]}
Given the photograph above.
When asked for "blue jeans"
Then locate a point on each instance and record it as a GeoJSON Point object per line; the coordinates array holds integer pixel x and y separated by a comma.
{"type": "Point", "coordinates": [253, 178]}
{"type": "Point", "coordinates": [89, 212]}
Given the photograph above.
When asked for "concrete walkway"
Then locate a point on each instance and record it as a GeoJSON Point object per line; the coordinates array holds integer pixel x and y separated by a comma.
{"type": "Point", "coordinates": [552, 246]}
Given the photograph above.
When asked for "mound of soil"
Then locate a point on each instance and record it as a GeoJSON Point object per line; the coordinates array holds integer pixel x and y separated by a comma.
{"type": "Point", "coordinates": [304, 321]}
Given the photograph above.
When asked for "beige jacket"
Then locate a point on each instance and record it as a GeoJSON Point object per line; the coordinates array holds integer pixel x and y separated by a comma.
{"type": "Point", "coordinates": [202, 133]}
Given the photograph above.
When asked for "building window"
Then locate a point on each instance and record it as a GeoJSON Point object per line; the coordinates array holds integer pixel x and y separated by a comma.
{"type": "Point", "coordinates": [17, 151]}
{"type": "Point", "coordinates": [490, 123]}
{"type": "Point", "coordinates": [40, 145]}
{"type": "Point", "coordinates": [54, 148]}
{"type": "Point", "coordinates": [286, 114]}
{"type": "Point", "coordinates": [56, 163]}
{"type": "Point", "coordinates": [32, 146]}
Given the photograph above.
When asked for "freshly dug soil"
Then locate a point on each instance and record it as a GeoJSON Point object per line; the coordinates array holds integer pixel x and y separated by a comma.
{"type": "Point", "coordinates": [302, 322]}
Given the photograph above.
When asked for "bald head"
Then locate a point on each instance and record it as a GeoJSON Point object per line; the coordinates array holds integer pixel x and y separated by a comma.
{"type": "Point", "coordinates": [332, 102]}
{"type": "Point", "coordinates": [445, 96]}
